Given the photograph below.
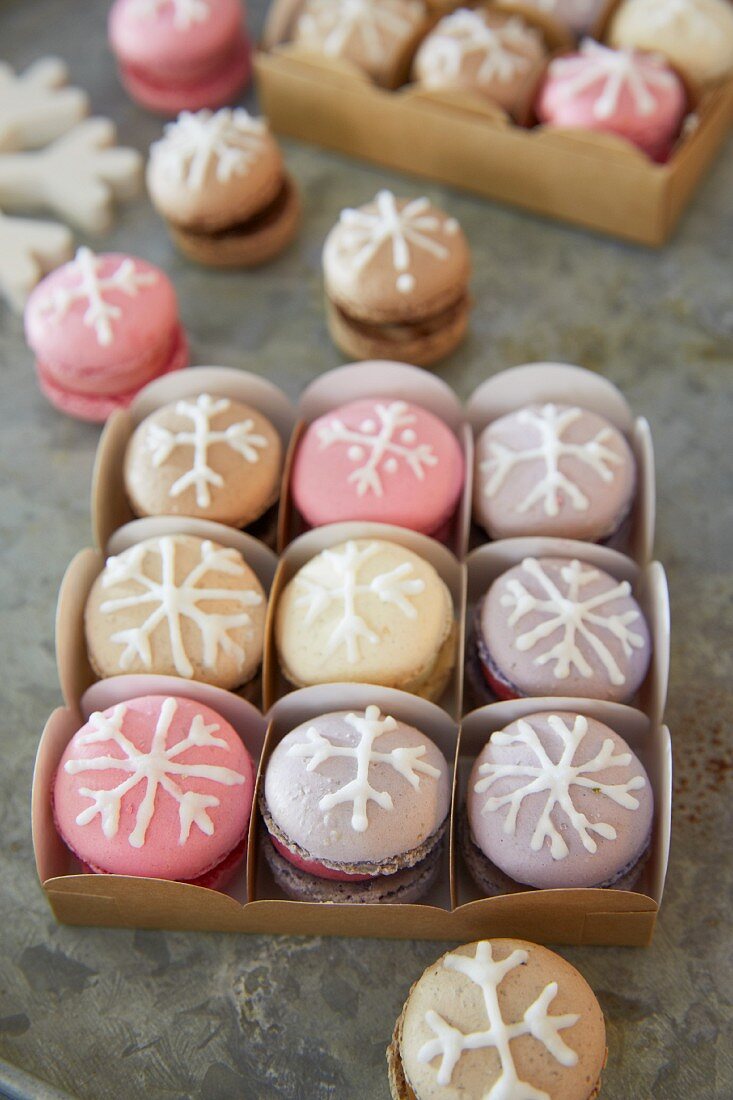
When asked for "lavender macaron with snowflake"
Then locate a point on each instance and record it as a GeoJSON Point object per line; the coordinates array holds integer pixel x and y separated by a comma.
{"type": "Point", "coordinates": [556, 800]}
{"type": "Point", "coordinates": [355, 806]}
{"type": "Point", "coordinates": [554, 470]}
{"type": "Point", "coordinates": [556, 626]}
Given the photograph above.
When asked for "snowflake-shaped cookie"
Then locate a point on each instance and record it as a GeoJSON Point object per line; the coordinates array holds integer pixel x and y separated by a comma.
{"type": "Point", "coordinates": [371, 25]}
{"type": "Point", "coordinates": [612, 73]}
{"type": "Point", "coordinates": [229, 140]}
{"type": "Point", "coordinates": [464, 33]}
{"type": "Point", "coordinates": [185, 13]}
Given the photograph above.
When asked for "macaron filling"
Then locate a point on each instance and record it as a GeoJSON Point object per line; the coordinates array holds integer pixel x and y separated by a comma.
{"type": "Point", "coordinates": [261, 220]}
{"type": "Point", "coordinates": [403, 331]}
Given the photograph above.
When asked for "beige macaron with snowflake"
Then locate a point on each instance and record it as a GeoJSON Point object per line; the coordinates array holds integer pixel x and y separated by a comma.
{"type": "Point", "coordinates": [177, 605]}
{"type": "Point", "coordinates": [205, 456]}
{"type": "Point", "coordinates": [367, 611]}
{"type": "Point", "coordinates": [696, 36]}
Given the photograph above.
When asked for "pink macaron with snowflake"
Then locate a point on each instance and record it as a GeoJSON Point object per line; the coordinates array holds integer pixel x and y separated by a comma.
{"type": "Point", "coordinates": [102, 327]}
{"type": "Point", "coordinates": [634, 95]}
{"type": "Point", "coordinates": [157, 787]}
{"type": "Point", "coordinates": [379, 460]}
{"type": "Point", "coordinates": [180, 55]}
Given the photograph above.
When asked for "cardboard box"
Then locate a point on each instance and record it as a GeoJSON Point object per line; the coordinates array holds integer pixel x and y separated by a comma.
{"type": "Point", "coordinates": [590, 179]}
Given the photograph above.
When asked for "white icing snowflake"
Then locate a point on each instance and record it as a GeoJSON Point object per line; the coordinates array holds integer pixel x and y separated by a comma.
{"type": "Point", "coordinates": [558, 780]}
{"type": "Point", "coordinates": [365, 231]}
{"type": "Point", "coordinates": [186, 13]}
{"type": "Point", "coordinates": [464, 33]}
{"type": "Point", "coordinates": [576, 618]}
{"type": "Point", "coordinates": [171, 602]}
{"type": "Point", "coordinates": [336, 581]}
{"type": "Point", "coordinates": [613, 72]}
{"type": "Point", "coordinates": [369, 23]}
{"type": "Point", "coordinates": [551, 422]}
{"type": "Point", "coordinates": [359, 791]}
{"type": "Point", "coordinates": [376, 442]}
{"type": "Point", "coordinates": [230, 139]}
{"type": "Point", "coordinates": [157, 768]}
{"type": "Point", "coordinates": [240, 437]}
{"type": "Point", "coordinates": [91, 288]}
{"type": "Point", "coordinates": [450, 1043]}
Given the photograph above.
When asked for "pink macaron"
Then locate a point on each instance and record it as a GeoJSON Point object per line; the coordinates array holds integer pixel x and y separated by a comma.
{"type": "Point", "coordinates": [101, 328]}
{"type": "Point", "coordinates": [635, 95]}
{"type": "Point", "coordinates": [381, 461]}
{"type": "Point", "coordinates": [157, 787]}
{"type": "Point", "coordinates": [180, 55]}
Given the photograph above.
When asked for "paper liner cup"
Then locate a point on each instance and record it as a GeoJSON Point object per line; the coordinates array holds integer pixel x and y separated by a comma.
{"type": "Point", "coordinates": [561, 383]}
{"type": "Point", "coordinates": [307, 546]}
{"type": "Point", "coordinates": [391, 381]}
{"type": "Point", "coordinates": [649, 585]}
{"type": "Point", "coordinates": [109, 504]}
{"type": "Point", "coordinates": [75, 671]}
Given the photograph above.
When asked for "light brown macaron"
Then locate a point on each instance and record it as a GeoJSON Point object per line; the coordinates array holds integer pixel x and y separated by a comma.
{"type": "Point", "coordinates": [204, 456]}
{"type": "Point", "coordinates": [219, 182]}
{"type": "Point", "coordinates": [396, 277]}
{"type": "Point", "coordinates": [367, 611]}
{"type": "Point", "coordinates": [498, 1017]}
{"type": "Point", "coordinates": [177, 606]}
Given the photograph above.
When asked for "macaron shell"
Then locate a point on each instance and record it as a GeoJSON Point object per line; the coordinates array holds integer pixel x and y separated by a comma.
{"type": "Point", "coordinates": [157, 43]}
{"type": "Point", "coordinates": [697, 39]}
{"type": "Point", "coordinates": [579, 16]}
{"type": "Point", "coordinates": [211, 89]}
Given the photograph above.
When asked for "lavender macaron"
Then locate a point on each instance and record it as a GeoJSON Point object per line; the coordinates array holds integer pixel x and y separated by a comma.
{"type": "Point", "coordinates": [356, 807]}
{"type": "Point", "coordinates": [556, 801]}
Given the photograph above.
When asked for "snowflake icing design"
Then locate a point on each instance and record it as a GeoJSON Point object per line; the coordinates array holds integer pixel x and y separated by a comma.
{"type": "Point", "coordinates": [240, 437]}
{"type": "Point", "coordinates": [343, 587]}
{"type": "Point", "coordinates": [412, 226]}
{"type": "Point", "coordinates": [173, 602]}
{"type": "Point", "coordinates": [380, 445]}
{"type": "Point", "coordinates": [576, 618]}
{"type": "Point", "coordinates": [613, 72]}
{"type": "Point", "coordinates": [186, 13]}
{"type": "Point", "coordinates": [231, 140]}
{"type": "Point", "coordinates": [551, 423]}
{"type": "Point", "coordinates": [558, 780]}
{"type": "Point", "coordinates": [100, 314]}
{"type": "Point", "coordinates": [465, 33]}
{"type": "Point", "coordinates": [369, 23]}
{"type": "Point", "coordinates": [359, 791]}
{"type": "Point", "coordinates": [450, 1043]}
{"type": "Point", "coordinates": [157, 768]}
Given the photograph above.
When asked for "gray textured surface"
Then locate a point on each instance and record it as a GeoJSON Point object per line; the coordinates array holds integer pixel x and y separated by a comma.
{"type": "Point", "coordinates": [117, 1014]}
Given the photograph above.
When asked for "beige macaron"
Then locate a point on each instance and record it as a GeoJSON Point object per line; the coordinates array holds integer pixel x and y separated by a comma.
{"type": "Point", "coordinates": [499, 1017]}
{"type": "Point", "coordinates": [396, 277]}
{"type": "Point", "coordinates": [696, 36]}
{"type": "Point", "coordinates": [367, 611]}
{"type": "Point", "coordinates": [177, 606]}
{"type": "Point", "coordinates": [205, 456]}
{"type": "Point", "coordinates": [219, 182]}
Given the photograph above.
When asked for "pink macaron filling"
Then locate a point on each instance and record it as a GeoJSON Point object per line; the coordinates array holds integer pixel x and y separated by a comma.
{"type": "Point", "coordinates": [313, 867]}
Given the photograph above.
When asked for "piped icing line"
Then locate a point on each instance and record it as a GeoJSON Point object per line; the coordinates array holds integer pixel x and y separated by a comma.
{"type": "Point", "coordinates": [613, 72]}
{"type": "Point", "coordinates": [364, 232]}
{"type": "Point", "coordinates": [558, 780]}
{"type": "Point", "coordinates": [230, 140]}
{"type": "Point", "coordinates": [575, 617]}
{"type": "Point", "coordinates": [449, 1043]}
{"type": "Point", "coordinates": [464, 33]}
{"type": "Point", "coordinates": [380, 444]}
{"type": "Point", "coordinates": [157, 768]}
{"type": "Point", "coordinates": [371, 23]}
{"type": "Point", "coordinates": [186, 13]}
{"type": "Point", "coordinates": [171, 602]}
{"type": "Point", "coordinates": [344, 588]}
{"type": "Point", "coordinates": [551, 423]}
{"type": "Point", "coordinates": [241, 437]}
{"type": "Point", "coordinates": [359, 791]}
{"type": "Point", "coordinates": [91, 288]}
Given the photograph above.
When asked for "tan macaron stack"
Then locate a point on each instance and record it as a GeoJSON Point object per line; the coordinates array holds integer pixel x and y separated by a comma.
{"type": "Point", "coordinates": [218, 180]}
{"type": "Point", "coordinates": [396, 277]}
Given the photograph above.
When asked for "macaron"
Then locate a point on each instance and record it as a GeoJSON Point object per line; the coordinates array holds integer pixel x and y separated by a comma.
{"type": "Point", "coordinates": [205, 456]}
{"type": "Point", "coordinates": [367, 611]}
{"type": "Point", "coordinates": [492, 54]}
{"type": "Point", "coordinates": [500, 1019]}
{"type": "Point", "coordinates": [396, 277]}
{"type": "Point", "coordinates": [101, 327]}
{"type": "Point", "coordinates": [696, 36]}
{"type": "Point", "coordinates": [180, 55]}
{"type": "Point", "coordinates": [557, 801]}
{"type": "Point", "coordinates": [634, 95]}
{"type": "Point", "coordinates": [553, 470]}
{"type": "Point", "coordinates": [382, 461]}
{"type": "Point", "coordinates": [156, 787]}
{"type": "Point", "coordinates": [375, 36]}
{"type": "Point", "coordinates": [555, 626]}
{"type": "Point", "coordinates": [577, 16]}
{"type": "Point", "coordinates": [177, 606]}
{"type": "Point", "coordinates": [219, 182]}
{"type": "Point", "coordinates": [356, 808]}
